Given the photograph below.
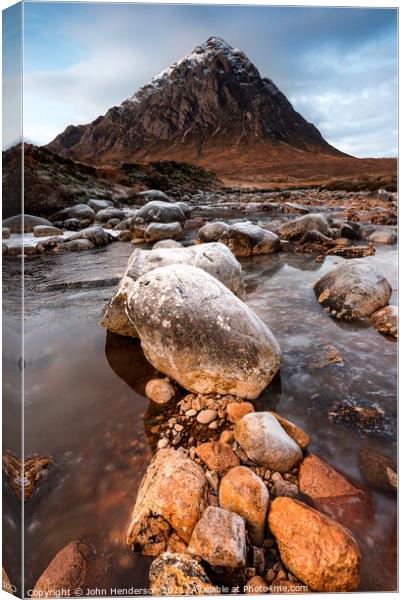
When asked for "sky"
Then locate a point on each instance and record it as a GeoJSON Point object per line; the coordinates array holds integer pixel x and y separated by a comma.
{"type": "Point", "coordinates": [337, 66]}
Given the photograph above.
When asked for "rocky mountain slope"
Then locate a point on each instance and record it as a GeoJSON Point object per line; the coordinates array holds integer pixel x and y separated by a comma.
{"type": "Point", "coordinates": [52, 182]}
{"type": "Point", "coordinates": [211, 104]}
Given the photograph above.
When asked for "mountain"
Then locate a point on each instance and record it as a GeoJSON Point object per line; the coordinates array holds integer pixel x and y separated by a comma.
{"type": "Point", "coordinates": [209, 105]}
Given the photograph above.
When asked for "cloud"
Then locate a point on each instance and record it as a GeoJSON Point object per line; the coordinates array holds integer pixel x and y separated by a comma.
{"type": "Point", "coordinates": [338, 67]}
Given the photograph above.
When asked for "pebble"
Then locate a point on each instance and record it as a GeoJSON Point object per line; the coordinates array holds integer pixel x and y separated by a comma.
{"type": "Point", "coordinates": [213, 425]}
{"type": "Point", "coordinates": [162, 443]}
{"type": "Point", "coordinates": [270, 575]}
{"type": "Point", "coordinates": [206, 416]}
{"type": "Point", "coordinates": [191, 413]}
{"type": "Point", "coordinates": [178, 427]}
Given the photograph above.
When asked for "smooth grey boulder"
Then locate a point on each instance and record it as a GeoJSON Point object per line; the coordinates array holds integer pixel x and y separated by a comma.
{"type": "Point", "coordinates": [78, 211]}
{"type": "Point", "coordinates": [195, 330]}
{"type": "Point", "coordinates": [212, 232]}
{"type": "Point", "coordinates": [214, 258]}
{"type": "Point", "coordinates": [97, 205]}
{"type": "Point", "coordinates": [247, 239]}
{"type": "Point", "coordinates": [159, 212]}
{"type": "Point", "coordinates": [27, 222]}
{"type": "Point", "coordinates": [106, 214]}
{"type": "Point", "coordinates": [299, 226]}
{"type": "Point", "coordinates": [73, 224]}
{"type": "Point", "coordinates": [353, 290]}
{"type": "Point", "coordinates": [46, 231]}
{"type": "Point", "coordinates": [266, 442]}
{"type": "Point", "coordinates": [95, 234]}
{"type": "Point", "coordinates": [162, 231]}
{"type": "Point", "coordinates": [382, 236]}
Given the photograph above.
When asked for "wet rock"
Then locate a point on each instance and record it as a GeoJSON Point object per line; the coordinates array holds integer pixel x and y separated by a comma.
{"type": "Point", "coordinates": [106, 214]}
{"type": "Point", "coordinates": [237, 410]}
{"type": "Point", "coordinates": [78, 211]}
{"type": "Point", "coordinates": [4, 249]}
{"type": "Point", "coordinates": [150, 195]}
{"type": "Point", "coordinates": [46, 231]}
{"type": "Point", "coordinates": [325, 355]}
{"type": "Point", "coordinates": [75, 246]}
{"type": "Point", "coordinates": [6, 232]}
{"type": "Point", "coordinates": [247, 239]}
{"type": "Point", "coordinates": [296, 433]}
{"type": "Point", "coordinates": [174, 574]}
{"type": "Point", "coordinates": [124, 236]}
{"type": "Point", "coordinates": [212, 232]}
{"type": "Point", "coordinates": [385, 320]}
{"type": "Point", "coordinates": [296, 228]}
{"type": "Point", "coordinates": [25, 223]}
{"type": "Point", "coordinates": [162, 231]}
{"type": "Point", "coordinates": [217, 457]}
{"type": "Point", "coordinates": [160, 391]}
{"type": "Point", "coordinates": [172, 496]}
{"type": "Point", "coordinates": [314, 236]}
{"type": "Point", "coordinates": [72, 224]}
{"type": "Point", "coordinates": [193, 329]}
{"type": "Point", "coordinates": [383, 237]}
{"type": "Point", "coordinates": [159, 212]}
{"type": "Point", "coordinates": [35, 468]}
{"type": "Point", "coordinates": [318, 551]}
{"type": "Point", "coordinates": [98, 205]}
{"type": "Point", "coordinates": [332, 493]}
{"type": "Point", "coordinates": [186, 209]}
{"type": "Point", "coordinates": [365, 418]}
{"type": "Point", "coordinates": [95, 234]}
{"type": "Point", "coordinates": [353, 290]}
{"type": "Point", "coordinates": [266, 442]}
{"type": "Point", "coordinates": [215, 259]}
{"type": "Point", "coordinates": [243, 492]}
{"type": "Point", "coordinates": [352, 251]}
{"type": "Point", "coordinates": [167, 244]}
{"type": "Point", "coordinates": [67, 572]}
{"type": "Point", "coordinates": [379, 470]}
{"type": "Point", "coordinates": [219, 538]}
{"type": "Point", "coordinates": [290, 207]}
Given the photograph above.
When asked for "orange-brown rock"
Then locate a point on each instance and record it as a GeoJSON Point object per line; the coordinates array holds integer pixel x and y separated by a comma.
{"type": "Point", "coordinates": [175, 574]}
{"type": "Point", "coordinates": [301, 437]}
{"type": "Point", "coordinates": [385, 321]}
{"type": "Point", "coordinates": [332, 493]}
{"type": "Point", "coordinates": [243, 492]}
{"type": "Point", "coordinates": [160, 390]}
{"type": "Point", "coordinates": [379, 470]}
{"type": "Point", "coordinates": [256, 585]}
{"type": "Point", "coordinates": [317, 550]}
{"type": "Point", "coordinates": [237, 410]}
{"type": "Point", "coordinates": [66, 572]}
{"type": "Point", "coordinates": [217, 456]}
{"type": "Point", "coordinates": [34, 469]}
{"type": "Point", "coordinates": [219, 538]}
{"type": "Point", "coordinates": [172, 496]}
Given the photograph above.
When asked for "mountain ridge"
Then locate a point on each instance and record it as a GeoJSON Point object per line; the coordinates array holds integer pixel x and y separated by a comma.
{"type": "Point", "coordinates": [212, 102]}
